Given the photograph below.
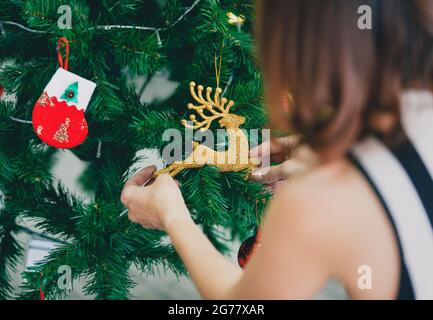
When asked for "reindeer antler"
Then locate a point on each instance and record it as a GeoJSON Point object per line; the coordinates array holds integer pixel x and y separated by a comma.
{"type": "Point", "coordinates": [216, 106]}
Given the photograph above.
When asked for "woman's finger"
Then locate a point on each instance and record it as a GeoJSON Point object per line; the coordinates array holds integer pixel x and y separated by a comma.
{"type": "Point", "coordinates": [268, 175]}
{"type": "Point", "coordinates": [281, 148]}
{"type": "Point", "coordinates": [279, 172]}
{"type": "Point", "coordinates": [261, 150]}
{"type": "Point", "coordinates": [132, 186]}
{"type": "Point", "coordinates": [268, 147]}
{"type": "Point", "coordinates": [278, 149]}
{"type": "Point", "coordinates": [129, 192]}
{"type": "Point", "coordinates": [141, 177]}
{"type": "Point", "coordinates": [132, 217]}
{"type": "Point", "coordinates": [274, 185]}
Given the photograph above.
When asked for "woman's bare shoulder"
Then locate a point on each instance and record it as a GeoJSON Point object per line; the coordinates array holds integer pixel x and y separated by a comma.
{"type": "Point", "coordinates": [326, 206]}
{"type": "Point", "coordinates": [333, 210]}
{"type": "Point", "coordinates": [323, 190]}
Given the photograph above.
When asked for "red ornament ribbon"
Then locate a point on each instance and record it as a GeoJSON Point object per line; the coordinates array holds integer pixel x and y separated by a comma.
{"type": "Point", "coordinates": [41, 292]}
{"type": "Point", "coordinates": [63, 64]}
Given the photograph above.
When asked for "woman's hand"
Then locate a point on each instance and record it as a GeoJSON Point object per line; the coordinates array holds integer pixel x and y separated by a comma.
{"type": "Point", "coordinates": [154, 206]}
{"type": "Point", "coordinates": [293, 159]}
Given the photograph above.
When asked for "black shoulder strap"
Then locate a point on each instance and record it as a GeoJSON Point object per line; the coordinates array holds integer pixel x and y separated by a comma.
{"type": "Point", "coordinates": [405, 291]}
{"type": "Point", "coordinates": [418, 174]}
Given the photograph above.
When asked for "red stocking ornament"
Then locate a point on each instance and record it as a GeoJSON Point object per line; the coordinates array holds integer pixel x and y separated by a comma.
{"type": "Point", "coordinates": [58, 116]}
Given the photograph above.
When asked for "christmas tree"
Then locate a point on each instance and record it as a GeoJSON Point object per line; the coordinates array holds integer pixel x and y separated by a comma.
{"type": "Point", "coordinates": [110, 41]}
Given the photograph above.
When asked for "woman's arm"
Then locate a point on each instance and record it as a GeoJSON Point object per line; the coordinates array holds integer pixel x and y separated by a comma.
{"type": "Point", "coordinates": [289, 263]}
{"type": "Point", "coordinates": [214, 275]}
{"type": "Point", "coordinates": [161, 206]}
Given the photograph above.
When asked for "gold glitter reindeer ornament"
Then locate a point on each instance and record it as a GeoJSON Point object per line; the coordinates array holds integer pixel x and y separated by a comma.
{"type": "Point", "coordinates": [236, 157]}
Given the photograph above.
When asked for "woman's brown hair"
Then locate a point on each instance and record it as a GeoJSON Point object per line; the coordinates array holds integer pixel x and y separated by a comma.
{"type": "Point", "coordinates": [342, 78]}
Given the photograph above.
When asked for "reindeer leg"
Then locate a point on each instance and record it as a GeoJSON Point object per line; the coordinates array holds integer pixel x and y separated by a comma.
{"type": "Point", "coordinates": [175, 168]}
{"type": "Point", "coordinates": [253, 163]}
{"type": "Point", "coordinates": [169, 169]}
{"type": "Point", "coordinates": [178, 166]}
{"type": "Point", "coordinates": [248, 174]}
{"type": "Point", "coordinates": [176, 171]}
{"type": "Point", "coordinates": [162, 171]}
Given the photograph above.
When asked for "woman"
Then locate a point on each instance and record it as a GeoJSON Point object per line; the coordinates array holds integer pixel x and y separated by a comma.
{"type": "Point", "coordinates": [363, 102]}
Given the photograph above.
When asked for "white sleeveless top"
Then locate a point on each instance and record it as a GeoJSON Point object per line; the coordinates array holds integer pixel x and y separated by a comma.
{"type": "Point", "coordinates": [402, 178]}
